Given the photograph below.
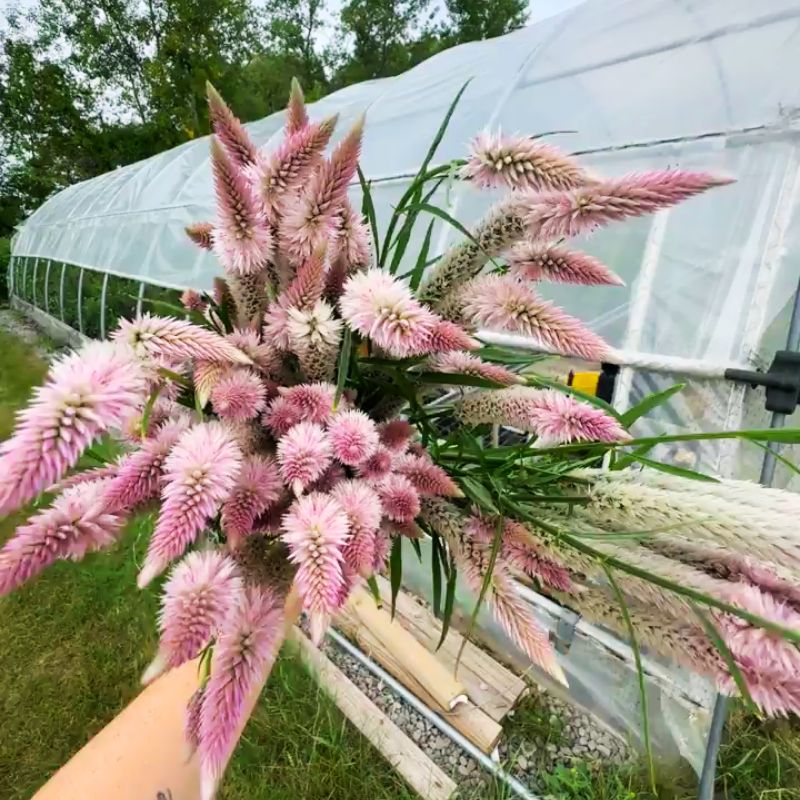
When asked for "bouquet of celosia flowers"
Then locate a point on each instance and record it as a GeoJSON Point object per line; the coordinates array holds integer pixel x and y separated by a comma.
{"type": "Point", "coordinates": [298, 422]}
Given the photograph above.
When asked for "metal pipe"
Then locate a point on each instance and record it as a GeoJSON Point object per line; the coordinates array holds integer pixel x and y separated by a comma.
{"type": "Point", "coordinates": [61, 292]}
{"type": "Point", "coordinates": [448, 730]}
{"type": "Point", "coordinates": [708, 775]}
{"type": "Point", "coordinates": [103, 293]}
{"type": "Point", "coordinates": [11, 275]}
{"type": "Point", "coordinates": [47, 287]}
{"type": "Point", "coordinates": [33, 283]}
{"type": "Point", "coordinates": [80, 301]}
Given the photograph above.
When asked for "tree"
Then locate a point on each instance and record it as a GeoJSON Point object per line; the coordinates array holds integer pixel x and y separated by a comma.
{"type": "Point", "coordinates": [471, 20]}
{"type": "Point", "coordinates": [382, 33]}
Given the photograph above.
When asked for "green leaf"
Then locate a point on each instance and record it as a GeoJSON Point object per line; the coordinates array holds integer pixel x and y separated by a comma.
{"type": "Point", "coordinates": [374, 589]}
{"type": "Point", "coordinates": [478, 493]}
{"type": "Point", "coordinates": [400, 244]}
{"type": "Point", "coordinates": [640, 674]}
{"type": "Point", "coordinates": [648, 404]}
{"type": "Point", "coordinates": [540, 380]}
{"type": "Point", "coordinates": [419, 267]}
{"type": "Point", "coordinates": [436, 576]}
{"type": "Point", "coordinates": [343, 366]}
{"type": "Point", "coordinates": [396, 568]}
{"type": "Point", "coordinates": [368, 210]}
{"type": "Point", "coordinates": [449, 602]}
{"type": "Point", "coordinates": [417, 548]}
{"type": "Point", "coordinates": [670, 469]}
{"type": "Point", "coordinates": [148, 409]}
{"type": "Point", "coordinates": [726, 654]}
{"type": "Point", "coordinates": [437, 139]}
{"type": "Point", "coordinates": [453, 379]}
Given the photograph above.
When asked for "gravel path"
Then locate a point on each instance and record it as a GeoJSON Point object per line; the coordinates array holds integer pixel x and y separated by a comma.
{"type": "Point", "coordinates": [539, 734]}
{"type": "Point", "coordinates": [18, 325]}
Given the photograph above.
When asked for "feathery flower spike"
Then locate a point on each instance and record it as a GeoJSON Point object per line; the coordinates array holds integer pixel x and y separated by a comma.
{"type": "Point", "coordinates": [308, 285]}
{"type": "Point", "coordinates": [316, 530]}
{"type": "Point", "coordinates": [258, 487]}
{"type": "Point", "coordinates": [380, 307]}
{"type": "Point", "coordinates": [200, 473]}
{"type": "Point", "coordinates": [353, 243]}
{"type": "Point", "coordinates": [396, 434]}
{"type": "Point", "coordinates": [353, 436]}
{"type": "Point", "coordinates": [201, 233]}
{"type": "Point", "coordinates": [362, 506]}
{"type": "Point", "coordinates": [200, 593]}
{"type": "Point", "coordinates": [296, 114]}
{"type": "Point", "coordinates": [520, 162]}
{"type": "Point", "coordinates": [312, 401]}
{"type": "Point", "coordinates": [399, 498]}
{"type": "Point", "coordinates": [87, 393]}
{"type": "Point", "coordinates": [377, 466]}
{"type": "Point", "coordinates": [166, 337]}
{"type": "Point", "coordinates": [242, 239]}
{"type": "Point", "coordinates": [467, 364]}
{"type": "Point", "coordinates": [263, 355]}
{"type": "Point", "coordinates": [501, 302]}
{"type": "Point", "coordinates": [192, 300]}
{"type": "Point", "coordinates": [427, 478]}
{"type": "Point", "coordinates": [536, 262]}
{"type": "Point", "coordinates": [554, 215]}
{"type": "Point", "coordinates": [446, 337]}
{"type": "Point", "coordinates": [304, 453]}
{"type": "Point", "coordinates": [242, 660]}
{"type": "Point", "coordinates": [75, 524]}
{"type": "Point", "coordinates": [239, 395]}
{"type": "Point", "coordinates": [229, 130]}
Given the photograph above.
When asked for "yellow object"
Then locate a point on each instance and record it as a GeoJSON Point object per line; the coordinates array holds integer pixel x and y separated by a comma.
{"type": "Point", "coordinates": [585, 381]}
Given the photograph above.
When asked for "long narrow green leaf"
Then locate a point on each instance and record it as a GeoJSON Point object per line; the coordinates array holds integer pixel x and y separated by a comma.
{"type": "Point", "coordinates": [417, 548]}
{"type": "Point", "coordinates": [449, 602]}
{"type": "Point", "coordinates": [478, 493]}
{"type": "Point", "coordinates": [788, 463]}
{"type": "Point", "coordinates": [437, 139]}
{"type": "Point", "coordinates": [368, 210]}
{"type": "Point", "coordinates": [436, 577]}
{"type": "Point", "coordinates": [649, 403]}
{"type": "Point", "coordinates": [148, 410]}
{"type": "Point", "coordinates": [419, 267]}
{"type": "Point", "coordinates": [374, 589]}
{"type": "Point", "coordinates": [540, 380]}
{"type": "Point", "coordinates": [344, 365]}
{"type": "Point", "coordinates": [396, 569]}
{"type": "Point", "coordinates": [730, 661]}
{"type": "Point", "coordinates": [453, 379]}
{"type": "Point", "coordinates": [637, 656]}
{"type": "Point", "coordinates": [670, 469]}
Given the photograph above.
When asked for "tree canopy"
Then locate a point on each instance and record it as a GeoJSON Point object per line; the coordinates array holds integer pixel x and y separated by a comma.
{"type": "Point", "coordinates": [87, 87]}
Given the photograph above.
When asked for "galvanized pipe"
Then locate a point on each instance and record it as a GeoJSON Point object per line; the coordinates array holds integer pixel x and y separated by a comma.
{"type": "Point", "coordinates": [518, 788]}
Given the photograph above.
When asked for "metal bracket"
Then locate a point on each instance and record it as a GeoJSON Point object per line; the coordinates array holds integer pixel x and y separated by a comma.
{"type": "Point", "coordinates": [564, 634]}
{"type": "Point", "coordinates": [781, 381]}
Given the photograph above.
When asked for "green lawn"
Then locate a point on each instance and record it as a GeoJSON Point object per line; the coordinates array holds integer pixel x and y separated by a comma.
{"type": "Point", "coordinates": [75, 641]}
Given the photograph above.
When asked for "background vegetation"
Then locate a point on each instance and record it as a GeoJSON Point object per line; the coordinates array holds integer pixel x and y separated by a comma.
{"type": "Point", "coordinates": [87, 87]}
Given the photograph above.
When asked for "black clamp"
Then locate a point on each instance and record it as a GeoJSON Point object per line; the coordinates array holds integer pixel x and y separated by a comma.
{"type": "Point", "coordinates": [781, 380]}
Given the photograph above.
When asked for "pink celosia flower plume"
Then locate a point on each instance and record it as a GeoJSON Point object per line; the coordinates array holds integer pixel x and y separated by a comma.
{"type": "Point", "coordinates": [353, 243]}
{"type": "Point", "coordinates": [205, 377]}
{"type": "Point", "coordinates": [308, 285]}
{"type": "Point", "coordinates": [312, 401]}
{"type": "Point", "coordinates": [314, 327]}
{"type": "Point", "coordinates": [467, 364]}
{"type": "Point", "coordinates": [200, 593]}
{"type": "Point", "coordinates": [239, 395]}
{"type": "Point", "coordinates": [263, 354]}
{"type": "Point", "coordinates": [87, 393]}
{"type": "Point", "coordinates": [521, 551]}
{"type": "Point", "coordinates": [502, 303]}
{"type": "Point", "coordinates": [296, 114]}
{"type": "Point", "coordinates": [75, 524]}
{"type": "Point", "coordinates": [554, 215]}
{"type": "Point", "coordinates": [316, 531]}
{"type": "Point", "coordinates": [556, 418]}
{"type": "Point", "coordinates": [383, 309]}
{"type": "Point", "coordinates": [429, 479]}
{"type": "Point", "coordinates": [447, 337]}
{"type": "Point", "coordinates": [280, 416]}
{"type": "Point", "coordinates": [140, 474]}
{"type": "Point", "coordinates": [537, 262]}
{"type": "Point", "coordinates": [353, 437]}
{"type": "Point", "coordinates": [243, 657]}
{"type": "Point", "coordinates": [200, 473]}
{"type": "Point", "coordinates": [192, 300]}
{"type": "Point", "coordinates": [242, 239]}
{"type": "Point", "coordinates": [201, 233]}
{"type": "Point", "coordinates": [165, 337]}
{"type": "Point", "coordinates": [257, 488]}
{"type": "Point", "coordinates": [229, 130]}
{"type": "Point", "coordinates": [280, 174]}
{"type": "Point", "coordinates": [520, 162]}
{"type": "Point", "coordinates": [304, 453]}
{"type": "Point", "coordinates": [396, 434]}
{"type": "Point", "coordinates": [363, 508]}
{"type": "Point", "coordinates": [377, 466]}
{"type": "Point", "coordinates": [314, 216]}
{"type": "Point", "coordinates": [399, 498]}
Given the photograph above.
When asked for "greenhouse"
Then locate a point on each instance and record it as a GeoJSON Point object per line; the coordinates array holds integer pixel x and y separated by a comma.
{"type": "Point", "coordinates": [710, 286]}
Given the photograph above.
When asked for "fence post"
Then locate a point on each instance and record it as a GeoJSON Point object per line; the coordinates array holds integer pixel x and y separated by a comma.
{"type": "Point", "coordinates": [80, 300]}
{"type": "Point", "coordinates": [33, 284]}
{"type": "Point", "coordinates": [47, 288]}
{"type": "Point", "coordinates": [61, 292]}
{"type": "Point", "coordinates": [103, 306]}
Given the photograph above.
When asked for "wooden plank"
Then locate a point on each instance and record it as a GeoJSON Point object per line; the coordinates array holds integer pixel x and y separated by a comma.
{"type": "Point", "coordinates": [466, 717]}
{"type": "Point", "coordinates": [418, 771]}
{"type": "Point", "coordinates": [493, 688]}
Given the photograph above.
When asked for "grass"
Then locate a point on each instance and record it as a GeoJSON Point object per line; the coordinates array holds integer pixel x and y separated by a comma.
{"type": "Point", "coordinates": [75, 641]}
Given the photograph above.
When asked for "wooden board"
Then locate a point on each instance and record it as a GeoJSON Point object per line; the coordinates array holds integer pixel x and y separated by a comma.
{"type": "Point", "coordinates": [381, 639]}
{"type": "Point", "coordinates": [419, 772]}
{"type": "Point", "coordinates": [493, 688]}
